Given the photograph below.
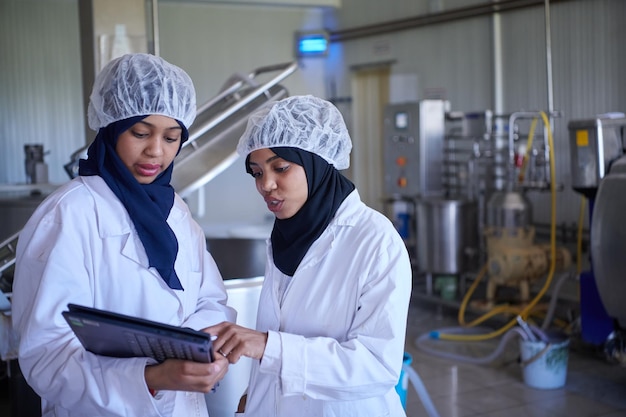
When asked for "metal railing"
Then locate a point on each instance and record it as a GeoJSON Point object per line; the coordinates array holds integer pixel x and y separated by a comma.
{"type": "Point", "coordinates": [7, 252]}
{"type": "Point", "coordinates": [220, 122]}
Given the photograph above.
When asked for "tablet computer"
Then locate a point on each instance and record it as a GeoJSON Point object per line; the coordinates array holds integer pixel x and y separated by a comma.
{"type": "Point", "coordinates": [113, 334]}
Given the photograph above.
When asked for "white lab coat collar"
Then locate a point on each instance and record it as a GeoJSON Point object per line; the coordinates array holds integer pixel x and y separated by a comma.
{"type": "Point", "coordinates": [346, 216]}
{"type": "Point", "coordinates": [108, 206]}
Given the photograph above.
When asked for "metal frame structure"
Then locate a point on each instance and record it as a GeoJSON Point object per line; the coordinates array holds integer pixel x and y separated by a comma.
{"type": "Point", "coordinates": [213, 137]}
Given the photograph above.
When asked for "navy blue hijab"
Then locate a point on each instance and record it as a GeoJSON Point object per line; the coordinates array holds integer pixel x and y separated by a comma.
{"type": "Point", "coordinates": [148, 205]}
{"type": "Point", "coordinates": [291, 238]}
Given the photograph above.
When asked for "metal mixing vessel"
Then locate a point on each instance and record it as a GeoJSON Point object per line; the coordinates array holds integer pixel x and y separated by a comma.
{"type": "Point", "coordinates": [447, 235]}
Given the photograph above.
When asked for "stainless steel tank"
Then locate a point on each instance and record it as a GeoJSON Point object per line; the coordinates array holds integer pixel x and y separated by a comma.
{"type": "Point", "coordinates": [238, 257]}
{"type": "Point", "coordinates": [447, 235]}
{"type": "Point", "coordinates": [16, 207]}
{"type": "Point", "coordinates": [608, 237]}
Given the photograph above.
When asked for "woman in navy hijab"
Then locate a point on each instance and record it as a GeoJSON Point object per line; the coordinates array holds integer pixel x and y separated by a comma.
{"type": "Point", "coordinates": [119, 238]}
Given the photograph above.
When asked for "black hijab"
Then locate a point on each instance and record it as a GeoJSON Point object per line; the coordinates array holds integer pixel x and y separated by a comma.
{"type": "Point", "coordinates": [148, 205]}
{"type": "Point", "coordinates": [327, 188]}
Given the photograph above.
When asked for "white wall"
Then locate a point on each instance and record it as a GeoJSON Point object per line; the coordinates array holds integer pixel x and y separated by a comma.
{"type": "Point", "coordinates": [40, 85]}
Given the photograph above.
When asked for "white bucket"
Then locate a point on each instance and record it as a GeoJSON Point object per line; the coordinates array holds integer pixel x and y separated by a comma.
{"type": "Point", "coordinates": [544, 365]}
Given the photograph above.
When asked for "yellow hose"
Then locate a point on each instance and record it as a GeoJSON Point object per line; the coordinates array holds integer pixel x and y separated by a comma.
{"type": "Point", "coordinates": [494, 311]}
{"type": "Point", "coordinates": [525, 312]}
{"type": "Point", "coordinates": [469, 293]}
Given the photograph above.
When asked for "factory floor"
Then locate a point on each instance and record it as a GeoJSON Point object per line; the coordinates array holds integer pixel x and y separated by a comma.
{"type": "Point", "coordinates": [593, 388]}
{"type": "Point", "coordinates": [458, 388]}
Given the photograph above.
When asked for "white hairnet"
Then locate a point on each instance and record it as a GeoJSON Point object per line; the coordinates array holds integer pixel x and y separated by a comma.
{"type": "Point", "coordinates": [304, 122]}
{"type": "Point", "coordinates": [141, 84]}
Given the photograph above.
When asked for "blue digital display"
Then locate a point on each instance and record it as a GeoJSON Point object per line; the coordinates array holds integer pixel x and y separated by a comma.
{"type": "Point", "coordinates": [312, 44]}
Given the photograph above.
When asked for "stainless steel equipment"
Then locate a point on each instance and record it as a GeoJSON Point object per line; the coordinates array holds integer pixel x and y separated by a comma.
{"type": "Point", "coordinates": [36, 168]}
{"type": "Point", "coordinates": [475, 161]}
{"type": "Point", "coordinates": [413, 148]}
{"type": "Point", "coordinates": [608, 237]}
{"type": "Point", "coordinates": [599, 173]}
{"type": "Point", "coordinates": [7, 253]}
{"type": "Point", "coordinates": [238, 257]}
{"type": "Point", "coordinates": [608, 234]}
{"type": "Point", "coordinates": [468, 164]}
{"type": "Point", "coordinates": [594, 145]}
{"type": "Point", "coordinates": [17, 203]}
{"type": "Point", "coordinates": [447, 235]}
{"type": "Point", "coordinates": [213, 137]}
{"type": "Point", "coordinates": [529, 161]}
{"type": "Point", "coordinates": [412, 156]}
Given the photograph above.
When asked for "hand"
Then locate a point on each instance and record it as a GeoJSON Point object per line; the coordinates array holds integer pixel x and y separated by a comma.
{"type": "Point", "coordinates": [235, 341]}
{"type": "Point", "coordinates": [181, 375]}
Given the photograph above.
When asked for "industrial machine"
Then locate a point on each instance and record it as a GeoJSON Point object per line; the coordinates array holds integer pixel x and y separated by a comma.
{"type": "Point", "coordinates": [599, 173]}
{"type": "Point", "coordinates": [412, 155]}
{"type": "Point", "coordinates": [514, 259]}
{"type": "Point", "coordinates": [460, 192]}
{"type": "Point", "coordinates": [413, 148]}
{"type": "Point", "coordinates": [466, 177]}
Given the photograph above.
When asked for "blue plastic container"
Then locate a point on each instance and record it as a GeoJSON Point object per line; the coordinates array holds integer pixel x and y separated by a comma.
{"type": "Point", "coordinates": [403, 384]}
{"type": "Point", "coordinates": [403, 225]}
{"type": "Point", "coordinates": [596, 324]}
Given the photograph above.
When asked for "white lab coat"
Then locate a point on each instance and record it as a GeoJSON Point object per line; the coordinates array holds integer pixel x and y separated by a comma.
{"type": "Point", "coordinates": [336, 344]}
{"type": "Point", "coordinates": [81, 247]}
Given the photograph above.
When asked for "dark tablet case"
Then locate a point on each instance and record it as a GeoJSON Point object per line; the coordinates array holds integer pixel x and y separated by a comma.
{"type": "Point", "coordinates": [113, 334]}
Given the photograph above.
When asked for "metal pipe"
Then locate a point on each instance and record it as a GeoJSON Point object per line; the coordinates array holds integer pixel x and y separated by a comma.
{"type": "Point", "coordinates": [433, 18]}
{"type": "Point", "coordinates": [511, 167]}
{"type": "Point", "coordinates": [155, 27]}
{"type": "Point", "coordinates": [497, 66]}
{"type": "Point", "coordinates": [549, 86]}
{"type": "Point", "coordinates": [512, 120]}
{"type": "Point", "coordinates": [549, 60]}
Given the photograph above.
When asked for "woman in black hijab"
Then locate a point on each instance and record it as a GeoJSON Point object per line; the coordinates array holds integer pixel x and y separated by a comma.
{"type": "Point", "coordinates": [332, 312]}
